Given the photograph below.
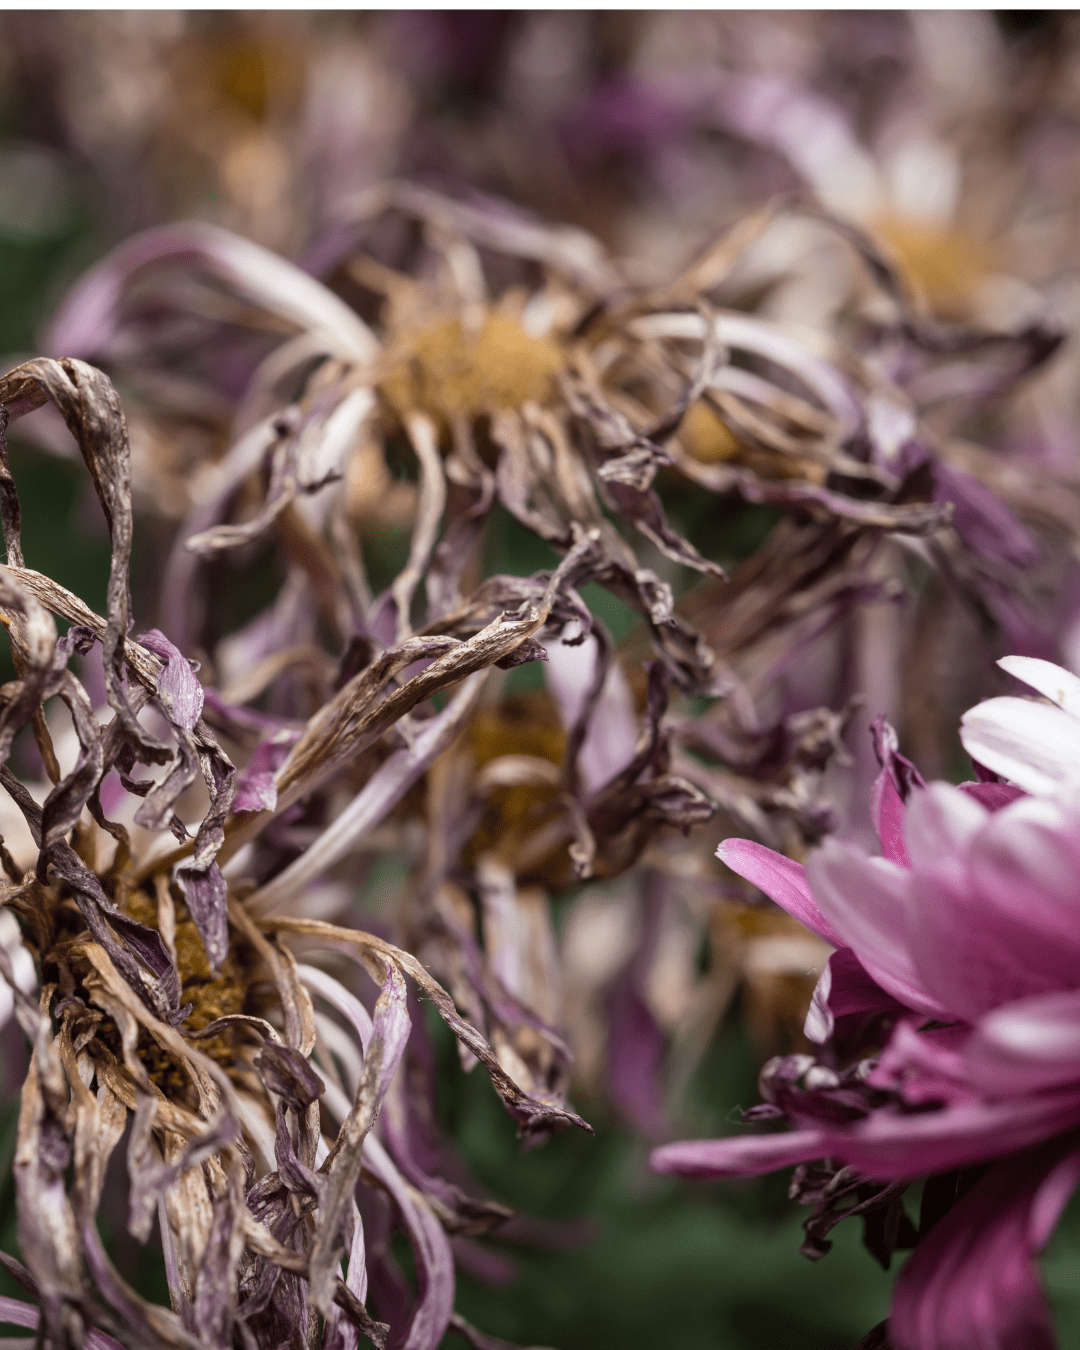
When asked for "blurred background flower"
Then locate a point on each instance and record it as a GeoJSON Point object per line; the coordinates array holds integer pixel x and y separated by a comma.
{"type": "Point", "coordinates": [836, 252]}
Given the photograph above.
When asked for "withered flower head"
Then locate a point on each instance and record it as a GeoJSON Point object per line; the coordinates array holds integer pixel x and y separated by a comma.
{"type": "Point", "coordinates": [247, 1080]}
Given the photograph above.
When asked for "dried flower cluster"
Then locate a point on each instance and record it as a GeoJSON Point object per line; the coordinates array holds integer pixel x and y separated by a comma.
{"type": "Point", "coordinates": [269, 1068]}
{"type": "Point", "coordinates": [467, 551]}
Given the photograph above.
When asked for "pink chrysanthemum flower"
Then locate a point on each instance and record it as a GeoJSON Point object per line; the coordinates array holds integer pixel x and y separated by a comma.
{"type": "Point", "coordinates": [958, 952]}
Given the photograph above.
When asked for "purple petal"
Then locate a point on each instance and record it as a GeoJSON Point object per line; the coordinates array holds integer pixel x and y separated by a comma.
{"type": "Point", "coordinates": [1000, 921]}
{"type": "Point", "coordinates": [19, 1314]}
{"type": "Point", "coordinates": [431, 1251]}
{"type": "Point", "coordinates": [845, 990]}
{"type": "Point", "coordinates": [255, 792]}
{"type": "Point", "coordinates": [971, 1283]}
{"type": "Point", "coordinates": [983, 521]}
{"type": "Point", "coordinates": [612, 733]}
{"type": "Point", "coordinates": [91, 314]}
{"type": "Point", "coordinates": [939, 827]}
{"type": "Point", "coordinates": [887, 810]}
{"type": "Point", "coordinates": [256, 789]}
{"type": "Point", "coordinates": [635, 1058]}
{"type": "Point", "coordinates": [205, 895]}
{"type": "Point", "coordinates": [782, 880]}
{"type": "Point", "coordinates": [891, 1144]}
{"type": "Point", "coordinates": [286, 1072]}
{"type": "Point", "coordinates": [739, 1156]}
{"type": "Point", "coordinates": [866, 901]}
{"type": "Point", "coordinates": [1028, 1045]}
{"type": "Point", "coordinates": [178, 689]}
{"type": "Point", "coordinates": [993, 796]}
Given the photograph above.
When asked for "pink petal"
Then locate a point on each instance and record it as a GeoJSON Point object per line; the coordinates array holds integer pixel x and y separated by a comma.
{"type": "Point", "coordinates": [739, 1156]}
{"type": "Point", "coordinates": [845, 989]}
{"type": "Point", "coordinates": [971, 1284]}
{"type": "Point", "coordinates": [994, 796]}
{"type": "Point", "coordinates": [1027, 863]}
{"type": "Point", "coordinates": [1002, 921]}
{"type": "Point", "coordinates": [1033, 745]}
{"type": "Point", "coordinates": [1028, 1045]}
{"type": "Point", "coordinates": [865, 901]}
{"type": "Point", "coordinates": [940, 825]}
{"type": "Point", "coordinates": [1053, 682]}
{"type": "Point", "coordinates": [895, 1145]}
{"type": "Point", "coordinates": [782, 880]}
{"type": "Point", "coordinates": [888, 811]}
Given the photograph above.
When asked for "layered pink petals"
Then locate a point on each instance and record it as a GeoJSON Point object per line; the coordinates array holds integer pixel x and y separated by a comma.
{"type": "Point", "coordinates": [1026, 1046]}
{"type": "Point", "coordinates": [866, 901]}
{"type": "Point", "coordinates": [972, 919]}
{"type": "Point", "coordinates": [971, 1283]}
{"type": "Point", "coordinates": [846, 990]}
{"type": "Point", "coordinates": [1034, 745]}
{"type": "Point", "coordinates": [996, 899]}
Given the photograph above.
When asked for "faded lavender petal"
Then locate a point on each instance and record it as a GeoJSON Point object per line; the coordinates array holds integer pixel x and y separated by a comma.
{"type": "Point", "coordinates": [205, 892]}
{"type": "Point", "coordinates": [179, 690]}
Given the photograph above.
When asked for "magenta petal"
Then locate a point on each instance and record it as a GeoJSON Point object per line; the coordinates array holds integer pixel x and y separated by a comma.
{"type": "Point", "coordinates": [887, 809]}
{"type": "Point", "coordinates": [999, 920]}
{"type": "Point", "coordinates": [740, 1156]}
{"type": "Point", "coordinates": [894, 1145]}
{"type": "Point", "coordinates": [845, 990]}
{"type": "Point", "coordinates": [866, 901]}
{"type": "Point", "coordinates": [782, 880]}
{"type": "Point", "coordinates": [971, 1283]}
{"type": "Point", "coordinates": [993, 796]}
{"type": "Point", "coordinates": [1027, 862]}
{"type": "Point", "coordinates": [1028, 1045]}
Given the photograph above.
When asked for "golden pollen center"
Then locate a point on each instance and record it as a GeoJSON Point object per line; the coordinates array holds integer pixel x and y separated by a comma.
{"type": "Point", "coordinates": [449, 372]}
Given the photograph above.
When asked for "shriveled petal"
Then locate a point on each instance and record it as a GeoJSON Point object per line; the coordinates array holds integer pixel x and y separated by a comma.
{"type": "Point", "coordinates": [782, 880]}
{"type": "Point", "coordinates": [178, 688]}
{"type": "Point", "coordinates": [739, 1156]}
{"type": "Point", "coordinates": [612, 731]}
{"type": "Point", "coordinates": [1024, 1046]}
{"type": "Point", "coordinates": [866, 900]}
{"type": "Point", "coordinates": [1034, 745]}
{"type": "Point", "coordinates": [971, 1283]}
{"type": "Point", "coordinates": [1060, 686]}
{"type": "Point", "coordinates": [90, 315]}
